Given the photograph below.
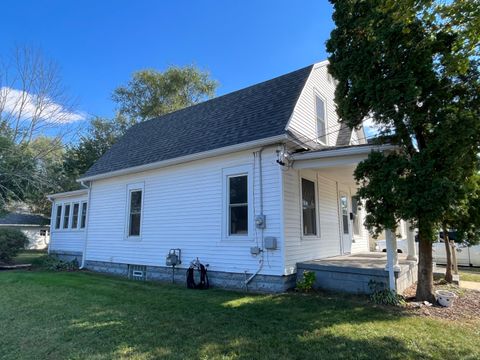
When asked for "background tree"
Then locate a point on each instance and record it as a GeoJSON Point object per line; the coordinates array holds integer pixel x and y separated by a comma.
{"type": "Point", "coordinates": [33, 102]}
{"type": "Point", "coordinates": [411, 66]}
{"type": "Point", "coordinates": [151, 93]}
{"type": "Point", "coordinates": [101, 135]}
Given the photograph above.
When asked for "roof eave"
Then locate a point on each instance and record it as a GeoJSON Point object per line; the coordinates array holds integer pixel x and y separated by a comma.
{"type": "Point", "coordinates": [67, 194]}
{"type": "Point", "coordinates": [188, 158]}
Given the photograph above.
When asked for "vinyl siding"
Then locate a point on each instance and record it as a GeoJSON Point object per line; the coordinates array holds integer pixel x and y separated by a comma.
{"type": "Point", "coordinates": [297, 247]}
{"type": "Point", "coordinates": [183, 207]}
{"type": "Point", "coordinates": [66, 239]}
{"type": "Point", "coordinates": [303, 120]}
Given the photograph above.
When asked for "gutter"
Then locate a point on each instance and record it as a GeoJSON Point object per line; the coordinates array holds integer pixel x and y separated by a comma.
{"type": "Point", "coordinates": [352, 150]}
{"type": "Point", "coordinates": [188, 158]}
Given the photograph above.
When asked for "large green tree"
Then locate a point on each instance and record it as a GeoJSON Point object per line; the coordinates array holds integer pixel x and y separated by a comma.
{"type": "Point", "coordinates": [411, 66]}
{"type": "Point", "coordinates": [152, 93]}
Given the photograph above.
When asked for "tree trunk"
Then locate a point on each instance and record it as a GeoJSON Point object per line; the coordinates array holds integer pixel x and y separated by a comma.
{"type": "Point", "coordinates": [448, 252]}
{"type": "Point", "coordinates": [425, 266]}
{"type": "Point", "coordinates": [454, 257]}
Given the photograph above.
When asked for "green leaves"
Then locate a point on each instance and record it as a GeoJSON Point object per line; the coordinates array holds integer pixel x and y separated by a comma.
{"type": "Point", "coordinates": [151, 93]}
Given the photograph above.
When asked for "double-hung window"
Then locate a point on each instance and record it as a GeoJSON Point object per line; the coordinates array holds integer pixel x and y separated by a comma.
{"type": "Point", "coordinates": [66, 216]}
{"type": "Point", "coordinates": [58, 217]}
{"type": "Point", "coordinates": [83, 219]}
{"type": "Point", "coordinates": [309, 208]}
{"type": "Point", "coordinates": [75, 214]}
{"type": "Point", "coordinates": [134, 215]}
{"type": "Point", "coordinates": [238, 204]}
{"type": "Point", "coordinates": [238, 201]}
{"type": "Point", "coordinates": [320, 111]}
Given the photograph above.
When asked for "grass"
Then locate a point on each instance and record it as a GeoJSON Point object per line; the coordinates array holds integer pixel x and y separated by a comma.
{"type": "Point", "coordinates": [29, 257]}
{"type": "Point", "coordinates": [469, 274]}
{"type": "Point", "coordinates": [79, 315]}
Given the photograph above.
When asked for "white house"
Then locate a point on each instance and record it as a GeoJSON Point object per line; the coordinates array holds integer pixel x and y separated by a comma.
{"type": "Point", "coordinates": [251, 183]}
{"type": "Point", "coordinates": [35, 227]}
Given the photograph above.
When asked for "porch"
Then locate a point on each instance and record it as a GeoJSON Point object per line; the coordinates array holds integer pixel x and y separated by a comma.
{"type": "Point", "coordinates": [350, 267]}
{"type": "Point", "coordinates": [353, 273]}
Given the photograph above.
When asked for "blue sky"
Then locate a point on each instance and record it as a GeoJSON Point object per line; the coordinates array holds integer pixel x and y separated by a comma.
{"type": "Point", "coordinates": [98, 44]}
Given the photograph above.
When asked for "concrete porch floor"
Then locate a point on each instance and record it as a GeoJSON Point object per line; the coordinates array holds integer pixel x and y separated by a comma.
{"type": "Point", "coordinates": [353, 273]}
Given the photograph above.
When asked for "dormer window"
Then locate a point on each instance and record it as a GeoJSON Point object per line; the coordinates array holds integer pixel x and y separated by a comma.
{"type": "Point", "coordinates": [321, 119]}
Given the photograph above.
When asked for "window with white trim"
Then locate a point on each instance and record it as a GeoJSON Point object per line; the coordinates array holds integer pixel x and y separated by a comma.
{"type": "Point", "coordinates": [66, 216]}
{"type": "Point", "coordinates": [320, 111]}
{"type": "Point", "coordinates": [356, 216]}
{"type": "Point", "coordinates": [134, 214]}
{"type": "Point", "coordinates": [75, 215]}
{"type": "Point", "coordinates": [58, 216]}
{"type": "Point", "coordinates": [309, 208]}
{"type": "Point", "coordinates": [238, 203]}
{"type": "Point", "coordinates": [83, 219]}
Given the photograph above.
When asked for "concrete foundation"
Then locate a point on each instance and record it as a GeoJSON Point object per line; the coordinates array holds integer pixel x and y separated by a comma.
{"type": "Point", "coordinates": [353, 273]}
{"type": "Point", "coordinates": [218, 279]}
{"type": "Point", "coordinates": [67, 255]}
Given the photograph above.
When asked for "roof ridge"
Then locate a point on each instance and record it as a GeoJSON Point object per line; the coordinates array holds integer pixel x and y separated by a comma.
{"type": "Point", "coordinates": [224, 95]}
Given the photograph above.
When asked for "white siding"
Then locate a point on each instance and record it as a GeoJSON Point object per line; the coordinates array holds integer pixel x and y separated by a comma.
{"type": "Point", "coordinates": [66, 239]}
{"type": "Point", "coordinates": [297, 247]}
{"type": "Point", "coordinates": [182, 208]}
{"type": "Point", "coordinates": [36, 241]}
{"type": "Point", "coordinates": [303, 120]}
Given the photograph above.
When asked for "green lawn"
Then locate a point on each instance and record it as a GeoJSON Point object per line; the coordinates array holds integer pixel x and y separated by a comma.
{"type": "Point", "coordinates": [469, 274]}
{"type": "Point", "coordinates": [46, 315]}
{"type": "Point", "coordinates": [29, 256]}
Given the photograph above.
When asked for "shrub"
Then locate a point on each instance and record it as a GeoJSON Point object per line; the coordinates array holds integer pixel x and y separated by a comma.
{"type": "Point", "coordinates": [11, 242]}
{"type": "Point", "coordinates": [306, 284]}
{"type": "Point", "coordinates": [383, 296]}
{"type": "Point", "coordinates": [53, 263]}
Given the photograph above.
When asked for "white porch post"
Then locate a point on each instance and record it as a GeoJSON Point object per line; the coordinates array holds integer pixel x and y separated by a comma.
{"type": "Point", "coordinates": [412, 250]}
{"type": "Point", "coordinates": [392, 258]}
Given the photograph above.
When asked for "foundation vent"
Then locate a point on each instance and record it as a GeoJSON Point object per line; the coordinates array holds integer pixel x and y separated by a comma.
{"type": "Point", "coordinates": [137, 272]}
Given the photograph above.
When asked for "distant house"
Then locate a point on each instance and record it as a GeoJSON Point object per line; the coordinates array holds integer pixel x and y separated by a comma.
{"type": "Point", "coordinates": [36, 227]}
{"type": "Point", "coordinates": [252, 183]}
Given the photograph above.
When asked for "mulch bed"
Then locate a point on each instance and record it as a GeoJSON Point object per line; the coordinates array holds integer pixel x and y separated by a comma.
{"type": "Point", "coordinates": [465, 307]}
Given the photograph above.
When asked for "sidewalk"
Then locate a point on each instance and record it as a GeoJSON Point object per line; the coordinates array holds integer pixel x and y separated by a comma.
{"type": "Point", "coordinates": [471, 285]}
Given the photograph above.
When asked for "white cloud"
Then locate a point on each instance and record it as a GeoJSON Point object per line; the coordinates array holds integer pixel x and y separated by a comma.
{"type": "Point", "coordinates": [35, 106]}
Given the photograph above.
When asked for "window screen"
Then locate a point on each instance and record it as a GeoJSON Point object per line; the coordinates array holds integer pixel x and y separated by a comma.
{"type": "Point", "coordinates": [309, 211]}
{"type": "Point", "coordinates": [135, 213]}
{"type": "Point", "coordinates": [238, 205]}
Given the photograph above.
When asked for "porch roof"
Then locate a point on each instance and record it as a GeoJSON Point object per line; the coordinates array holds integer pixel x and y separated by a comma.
{"type": "Point", "coordinates": [336, 156]}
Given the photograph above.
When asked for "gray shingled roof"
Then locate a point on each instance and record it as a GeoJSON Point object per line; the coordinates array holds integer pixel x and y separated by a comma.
{"type": "Point", "coordinates": [344, 135]}
{"type": "Point", "coordinates": [23, 219]}
{"type": "Point", "coordinates": [257, 112]}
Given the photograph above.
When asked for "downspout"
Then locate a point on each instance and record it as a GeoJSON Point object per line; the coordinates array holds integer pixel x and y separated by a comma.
{"type": "Point", "coordinates": [260, 181]}
{"type": "Point", "coordinates": [51, 223]}
{"type": "Point", "coordinates": [84, 254]}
